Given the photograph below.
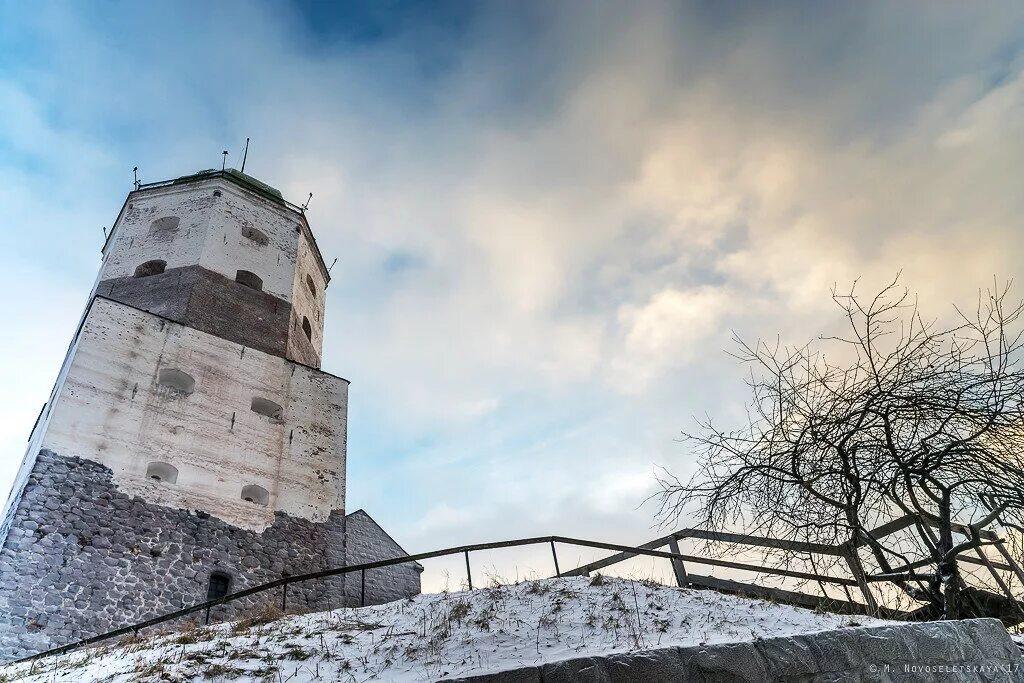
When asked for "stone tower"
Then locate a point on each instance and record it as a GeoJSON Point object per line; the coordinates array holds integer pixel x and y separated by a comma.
{"type": "Point", "coordinates": [191, 445]}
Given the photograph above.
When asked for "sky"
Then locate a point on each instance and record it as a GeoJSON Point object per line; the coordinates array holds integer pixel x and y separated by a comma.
{"type": "Point", "coordinates": [549, 217]}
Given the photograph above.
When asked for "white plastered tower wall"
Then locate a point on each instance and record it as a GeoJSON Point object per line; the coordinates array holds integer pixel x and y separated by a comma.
{"type": "Point", "coordinates": [114, 410]}
{"type": "Point", "coordinates": [212, 437]}
{"type": "Point", "coordinates": [307, 299]}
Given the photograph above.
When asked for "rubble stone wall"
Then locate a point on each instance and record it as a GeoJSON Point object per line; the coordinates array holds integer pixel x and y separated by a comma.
{"type": "Point", "coordinates": [366, 541]}
{"type": "Point", "coordinates": [83, 558]}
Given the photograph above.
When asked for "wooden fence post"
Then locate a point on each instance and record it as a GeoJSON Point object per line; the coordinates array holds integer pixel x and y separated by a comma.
{"type": "Point", "coordinates": [677, 564]}
{"type": "Point", "coordinates": [1010, 561]}
{"type": "Point", "coordinates": [857, 570]}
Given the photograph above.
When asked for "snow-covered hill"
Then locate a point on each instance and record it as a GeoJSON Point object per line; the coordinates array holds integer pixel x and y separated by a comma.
{"type": "Point", "coordinates": [443, 635]}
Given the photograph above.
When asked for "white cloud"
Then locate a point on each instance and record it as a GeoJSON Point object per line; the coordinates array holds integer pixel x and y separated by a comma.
{"type": "Point", "coordinates": [443, 518]}
{"type": "Point", "coordinates": [666, 332]}
{"type": "Point", "coordinates": [545, 226]}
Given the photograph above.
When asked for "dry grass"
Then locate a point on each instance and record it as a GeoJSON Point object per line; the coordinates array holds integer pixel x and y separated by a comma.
{"type": "Point", "coordinates": [223, 671]}
{"type": "Point", "coordinates": [193, 633]}
{"type": "Point", "coordinates": [264, 615]}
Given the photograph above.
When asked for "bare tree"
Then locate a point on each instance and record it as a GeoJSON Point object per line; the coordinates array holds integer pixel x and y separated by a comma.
{"type": "Point", "coordinates": [903, 417]}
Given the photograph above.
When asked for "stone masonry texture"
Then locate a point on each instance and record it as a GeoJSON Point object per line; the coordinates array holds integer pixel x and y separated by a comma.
{"type": "Point", "coordinates": [210, 302]}
{"type": "Point", "coordinates": [366, 541]}
{"type": "Point", "coordinates": [974, 650]}
{"type": "Point", "coordinates": [83, 558]}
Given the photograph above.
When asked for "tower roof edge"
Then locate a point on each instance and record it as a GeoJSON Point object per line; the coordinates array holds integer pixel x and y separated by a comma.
{"type": "Point", "coordinates": [244, 179]}
{"type": "Point", "coordinates": [247, 182]}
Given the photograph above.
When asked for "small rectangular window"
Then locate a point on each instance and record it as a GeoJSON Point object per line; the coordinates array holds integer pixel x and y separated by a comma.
{"type": "Point", "coordinates": [219, 585]}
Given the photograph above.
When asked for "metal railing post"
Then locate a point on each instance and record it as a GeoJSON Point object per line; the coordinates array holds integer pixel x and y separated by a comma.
{"type": "Point", "coordinates": [554, 555]}
{"type": "Point", "coordinates": [284, 597]}
{"type": "Point", "coordinates": [469, 574]}
{"type": "Point", "coordinates": [362, 588]}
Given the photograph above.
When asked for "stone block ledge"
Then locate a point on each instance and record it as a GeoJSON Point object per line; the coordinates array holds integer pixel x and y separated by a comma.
{"type": "Point", "coordinates": [971, 650]}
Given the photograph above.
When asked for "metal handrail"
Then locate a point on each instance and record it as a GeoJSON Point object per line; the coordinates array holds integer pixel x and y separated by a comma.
{"type": "Point", "coordinates": [462, 549]}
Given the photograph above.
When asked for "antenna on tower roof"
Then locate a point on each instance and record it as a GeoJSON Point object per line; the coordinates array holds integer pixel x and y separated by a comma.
{"type": "Point", "coordinates": [331, 266]}
{"type": "Point", "coordinates": [245, 154]}
{"type": "Point", "coordinates": [306, 205]}
{"type": "Point", "coordinates": [135, 172]}
{"type": "Point", "coordinates": [223, 161]}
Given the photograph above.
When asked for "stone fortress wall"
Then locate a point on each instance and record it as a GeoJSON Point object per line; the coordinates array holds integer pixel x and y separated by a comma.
{"type": "Point", "coordinates": [366, 541]}
{"type": "Point", "coordinates": [83, 557]}
{"type": "Point", "coordinates": [190, 438]}
{"type": "Point", "coordinates": [126, 404]}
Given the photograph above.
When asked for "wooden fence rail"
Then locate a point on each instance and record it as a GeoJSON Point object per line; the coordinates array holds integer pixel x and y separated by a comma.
{"type": "Point", "coordinates": [621, 553]}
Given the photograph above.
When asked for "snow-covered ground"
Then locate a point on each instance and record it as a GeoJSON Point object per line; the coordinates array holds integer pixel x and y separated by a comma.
{"type": "Point", "coordinates": [442, 635]}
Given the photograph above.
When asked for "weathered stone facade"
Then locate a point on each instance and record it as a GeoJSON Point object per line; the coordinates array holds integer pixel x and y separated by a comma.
{"type": "Point", "coordinates": [113, 409]}
{"type": "Point", "coordinates": [366, 541]}
{"type": "Point", "coordinates": [190, 431]}
{"type": "Point", "coordinates": [210, 302]}
{"type": "Point", "coordinates": [83, 558]}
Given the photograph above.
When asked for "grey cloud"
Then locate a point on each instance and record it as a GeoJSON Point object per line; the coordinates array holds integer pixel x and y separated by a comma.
{"type": "Point", "coordinates": [579, 206]}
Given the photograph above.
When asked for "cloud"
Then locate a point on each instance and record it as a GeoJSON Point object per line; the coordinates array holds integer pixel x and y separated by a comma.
{"type": "Point", "coordinates": [443, 518]}
{"type": "Point", "coordinates": [667, 332]}
{"type": "Point", "coordinates": [546, 221]}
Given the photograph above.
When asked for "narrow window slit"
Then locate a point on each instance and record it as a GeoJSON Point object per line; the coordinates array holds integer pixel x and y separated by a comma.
{"type": "Point", "coordinates": [251, 280]}
{"type": "Point", "coordinates": [266, 407]}
{"type": "Point", "coordinates": [172, 378]}
{"type": "Point", "coordinates": [162, 471]}
{"type": "Point", "coordinates": [255, 236]}
{"type": "Point", "coordinates": [255, 494]}
{"type": "Point", "coordinates": [154, 267]}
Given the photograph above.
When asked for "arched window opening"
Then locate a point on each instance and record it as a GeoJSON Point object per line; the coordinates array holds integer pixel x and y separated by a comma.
{"type": "Point", "coordinates": [165, 224]}
{"type": "Point", "coordinates": [266, 407]}
{"type": "Point", "coordinates": [216, 193]}
{"type": "Point", "coordinates": [250, 280]}
{"type": "Point", "coordinates": [312, 287]}
{"type": "Point", "coordinates": [177, 380]}
{"type": "Point", "coordinates": [154, 267]}
{"type": "Point", "coordinates": [255, 235]}
{"type": "Point", "coordinates": [307, 328]}
{"type": "Point", "coordinates": [255, 494]}
{"type": "Point", "coordinates": [161, 471]}
{"type": "Point", "coordinates": [220, 584]}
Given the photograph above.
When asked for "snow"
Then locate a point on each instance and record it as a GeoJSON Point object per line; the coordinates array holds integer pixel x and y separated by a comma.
{"type": "Point", "coordinates": [432, 637]}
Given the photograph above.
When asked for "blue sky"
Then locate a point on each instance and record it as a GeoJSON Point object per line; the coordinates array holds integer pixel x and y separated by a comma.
{"type": "Point", "coordinates": [548, 217]}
